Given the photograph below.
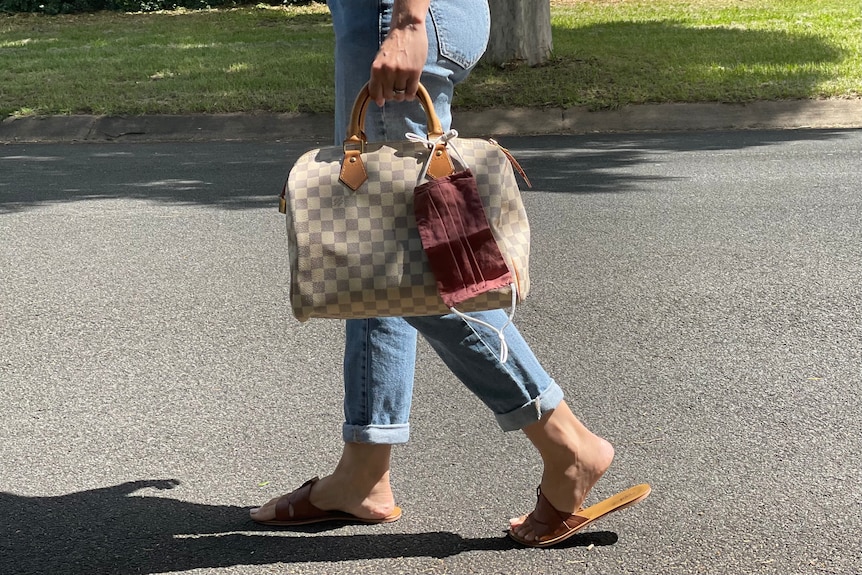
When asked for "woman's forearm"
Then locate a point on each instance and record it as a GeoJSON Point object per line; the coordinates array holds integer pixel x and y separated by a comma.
{"type": "Point", "coordinates": [401, 58]}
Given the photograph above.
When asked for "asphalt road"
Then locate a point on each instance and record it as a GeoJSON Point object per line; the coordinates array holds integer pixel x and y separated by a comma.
{"type": "Point", "coordinates": [696, 295]}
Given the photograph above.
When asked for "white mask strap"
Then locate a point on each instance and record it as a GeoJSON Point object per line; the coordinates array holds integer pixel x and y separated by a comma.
{"type": "Point", "coordinates": [504, 347]}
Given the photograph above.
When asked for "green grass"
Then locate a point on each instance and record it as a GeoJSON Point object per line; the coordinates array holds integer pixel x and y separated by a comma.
{"type": "Point", "coordinates": [611, 53]}
{"type": "Point", "coordinates": [208, 62]}
{"type": "Point", "coordinates": [607, 53]}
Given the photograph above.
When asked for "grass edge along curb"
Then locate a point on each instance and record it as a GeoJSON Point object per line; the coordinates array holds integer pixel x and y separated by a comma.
{"type": "Point", "coordinates": [799, 114]}
{"type": "Point", "coordinates": [608, 55]}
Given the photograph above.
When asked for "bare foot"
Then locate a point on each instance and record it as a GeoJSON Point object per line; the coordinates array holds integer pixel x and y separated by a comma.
{"type": "Point", "coordinates": [359, 485]}
{"type": "Point", "coordinates": [574, 458]}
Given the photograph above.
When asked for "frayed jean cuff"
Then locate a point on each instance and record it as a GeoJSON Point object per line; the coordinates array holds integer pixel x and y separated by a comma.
{"type": "Point", "coordinates": [533, 411]}
{"type": "Point", "coordinates": [378, 434]}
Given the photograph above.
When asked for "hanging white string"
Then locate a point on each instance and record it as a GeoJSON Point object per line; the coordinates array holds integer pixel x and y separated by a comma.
{"type": "Point", "coordinates": [447, 139]}
{"type": "Point", "coordinates": [504, 347]}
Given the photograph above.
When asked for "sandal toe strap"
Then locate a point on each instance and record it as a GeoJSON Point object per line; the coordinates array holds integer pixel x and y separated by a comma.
{"type": "Point", "coordinates": [549, 522]}
{"type": "Point", "coordinates": [297, 505]}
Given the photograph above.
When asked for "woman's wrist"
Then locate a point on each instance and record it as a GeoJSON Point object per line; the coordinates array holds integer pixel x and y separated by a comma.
{"type": "Point", "coordinates": [409, 13]}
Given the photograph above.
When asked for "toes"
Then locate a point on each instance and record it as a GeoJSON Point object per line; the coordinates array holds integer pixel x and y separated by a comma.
{"type": "Point", "coordinates": [524, 532]}
{"type": "Point", "coordinates": [265, 512]}
{"type": "Point", "coordinates": [520, 526]}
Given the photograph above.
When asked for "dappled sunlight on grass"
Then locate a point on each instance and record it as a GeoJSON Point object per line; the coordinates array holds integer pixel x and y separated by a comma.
{"type": "Point", "coordinates": [240, 67]}
{"type": "Point", "coordinates": [279, 59]}
{"type": "Point", "coordinates": [189, 46]}
{"type": "Point", "coordinates": [183, 62]}
{"type": "Point", "coordinates": [15, 43]}
{"type": "Point", "coordinates": [603, 59]}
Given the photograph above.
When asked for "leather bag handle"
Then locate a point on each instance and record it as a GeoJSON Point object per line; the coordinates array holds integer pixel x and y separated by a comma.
{"type": "Point", "coordinates": [356, 127]}
{"type": "Point", "coordinates": [353, 172]}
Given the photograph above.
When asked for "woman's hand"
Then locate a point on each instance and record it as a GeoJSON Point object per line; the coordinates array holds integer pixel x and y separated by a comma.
{"type": "Point", "coordinates": [396, 70]}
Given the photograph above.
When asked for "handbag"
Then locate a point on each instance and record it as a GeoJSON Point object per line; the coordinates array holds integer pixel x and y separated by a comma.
{"type": "Point", "coordinates": [354, 244]}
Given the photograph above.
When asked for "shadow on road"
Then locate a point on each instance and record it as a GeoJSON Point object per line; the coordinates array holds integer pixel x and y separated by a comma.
{"type": "Point", "coordinates": [230, 176]}
{"type": "Point", "coordinates": [606, 163]}
{"type": "Point", "coordinates": [238, 176]}
{"type": "Point", "coordinates": [116, 531]}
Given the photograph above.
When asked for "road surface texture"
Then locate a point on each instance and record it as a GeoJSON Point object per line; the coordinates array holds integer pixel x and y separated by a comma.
{"type": "Point", "coordinates": [697, 295]}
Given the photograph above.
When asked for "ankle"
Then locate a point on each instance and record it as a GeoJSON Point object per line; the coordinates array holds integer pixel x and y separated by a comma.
{"type": "Point", "coordinates": [562, 440]}
{"type": "Point", "coordinates": [358, 495]}
{"type": "Point", "coordinates": [366, 461]}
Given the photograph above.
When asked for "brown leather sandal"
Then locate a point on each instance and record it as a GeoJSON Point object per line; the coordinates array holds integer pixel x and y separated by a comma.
{"type": "Point", "coordinates": [552, 526]}
{"type": "Point", "coordinates": [296, 508]}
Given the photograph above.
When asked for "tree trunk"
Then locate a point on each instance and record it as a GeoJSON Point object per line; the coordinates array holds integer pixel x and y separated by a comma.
{"type": "Point", "coordinates": [520, 32]}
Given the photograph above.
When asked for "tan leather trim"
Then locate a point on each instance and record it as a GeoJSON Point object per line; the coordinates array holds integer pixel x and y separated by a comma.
{"type": "Point", "coordinates": [514, 269]}
{"type": "Point", "coordinates": [353, 172]}
{"type": "Point", "coordinates": [440, 165]}
{"type": "Point", "coordinates": [514, 162]}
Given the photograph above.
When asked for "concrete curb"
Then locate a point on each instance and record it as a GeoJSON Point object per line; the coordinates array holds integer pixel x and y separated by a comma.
{"type": "Point", "coordinates": [791, 114]}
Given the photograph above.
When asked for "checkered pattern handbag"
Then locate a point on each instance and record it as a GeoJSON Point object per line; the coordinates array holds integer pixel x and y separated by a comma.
{"type": "Point", "coordinates": [355, 249]}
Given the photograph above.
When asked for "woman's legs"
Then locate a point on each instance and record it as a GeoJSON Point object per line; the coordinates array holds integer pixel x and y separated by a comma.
{"type": "Point", "coordinates": [380, 353]}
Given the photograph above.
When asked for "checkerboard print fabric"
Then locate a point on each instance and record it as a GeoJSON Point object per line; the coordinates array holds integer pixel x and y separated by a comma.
{"type": "Point", "coordinates": [357, 254]}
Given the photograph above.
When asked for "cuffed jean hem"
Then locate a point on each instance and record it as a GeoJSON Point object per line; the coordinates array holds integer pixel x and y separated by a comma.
{"type": "Point", "coordinates": [379, 434]}
{"type": "Point", "coordinates": [533, 411]}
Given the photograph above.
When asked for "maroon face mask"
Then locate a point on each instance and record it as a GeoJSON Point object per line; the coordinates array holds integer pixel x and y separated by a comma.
{"type": "Point", "coordinates": [461, 249]}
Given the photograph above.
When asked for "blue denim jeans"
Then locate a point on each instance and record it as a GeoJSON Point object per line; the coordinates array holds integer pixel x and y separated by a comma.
{"type": "Point", "coordinates": [380, 353]}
